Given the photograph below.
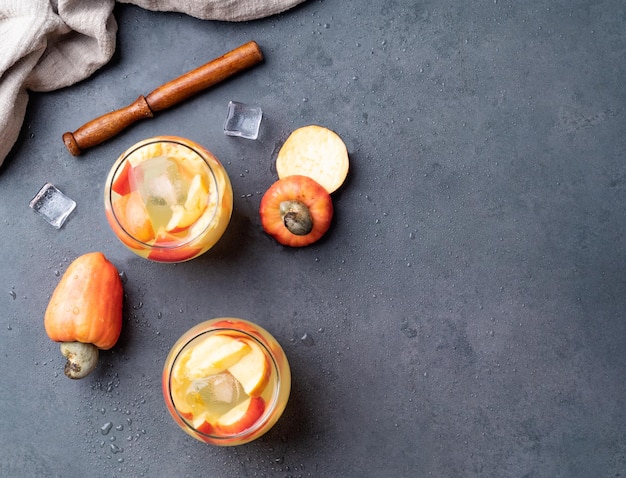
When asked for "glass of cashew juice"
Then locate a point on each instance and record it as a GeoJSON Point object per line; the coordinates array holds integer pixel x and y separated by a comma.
{"type": "Point", "coordinates": [168, 199]}
{"type": "Point", "coordinates": [226, 381]}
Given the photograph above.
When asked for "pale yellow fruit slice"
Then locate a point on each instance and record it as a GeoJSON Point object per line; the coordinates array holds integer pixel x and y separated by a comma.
{"type": "Point", "coordinates": [150, 150]}
{"type": "Point", "coordinates": [195, 204]}
{"type": "Point", "coordinates": [316, 152]}
{"type": "Point", "coordinates": [252, 371]}
{"type": "Point", "coordinates": [180, 220]}
{"type": "Point", "coordinates": [214, 355]}
{"type": "Point", "coordinates": [199, 420]}
{"type": "Point", "coordinates": [198, 194]}
{"type": "Point", "coordinates": [179, 397]}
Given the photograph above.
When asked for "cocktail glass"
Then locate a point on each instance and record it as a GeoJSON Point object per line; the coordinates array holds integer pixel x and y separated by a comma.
{"type": "Point", "coordinates": [168, 199]}
{"type": "Point", "coordinates": [226, 381]}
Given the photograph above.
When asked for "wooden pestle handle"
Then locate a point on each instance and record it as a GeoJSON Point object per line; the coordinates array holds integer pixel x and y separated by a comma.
{"type": "Point", "coordinates": [105, 127]}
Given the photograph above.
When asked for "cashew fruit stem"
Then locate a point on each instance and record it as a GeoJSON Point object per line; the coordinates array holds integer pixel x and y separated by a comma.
{"type": "Point", "coordinates": [81, 359]}
{"type": "Point", "coordinates": [296, 217]}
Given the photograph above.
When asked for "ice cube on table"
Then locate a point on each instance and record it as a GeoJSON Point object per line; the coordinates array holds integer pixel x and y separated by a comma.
{"type": "Point", "coordinates": [243, 120]}
{"type": "Point", "coordinates": [54, 206]}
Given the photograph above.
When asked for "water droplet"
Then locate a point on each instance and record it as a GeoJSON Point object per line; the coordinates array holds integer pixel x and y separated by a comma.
{"type": "Point", "coordinates": [123, 277]}
{"type": "Point", "coordinates": [106, 428]}
{"type": "Point", "coordinates": [115, 449]}
{"type": "Point", "coordinates": [410, 332]}
{"type": "Point", "coordinates": [307, 340]}
{"type": "Point", "coordinates": [119, 428]}
{"type": "Point", "coordinates": [13, 294]}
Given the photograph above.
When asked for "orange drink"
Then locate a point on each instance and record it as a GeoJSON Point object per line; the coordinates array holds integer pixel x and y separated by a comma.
{"type": "Point", "coordinates": [226, 381]}
{"type": "Point", "coordinates": [168, 199]}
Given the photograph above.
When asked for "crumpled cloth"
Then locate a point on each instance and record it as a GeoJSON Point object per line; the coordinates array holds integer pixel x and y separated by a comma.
{"type": "Point", "coordinates": [51, 44]}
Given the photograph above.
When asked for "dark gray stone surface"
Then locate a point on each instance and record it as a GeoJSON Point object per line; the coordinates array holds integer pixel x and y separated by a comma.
{"type": "Point", "coordinates": [465, 315]}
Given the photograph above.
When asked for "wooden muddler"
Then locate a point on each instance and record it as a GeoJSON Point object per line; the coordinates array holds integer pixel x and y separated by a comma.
{"type": "Point", "coordinates": [165, 96]}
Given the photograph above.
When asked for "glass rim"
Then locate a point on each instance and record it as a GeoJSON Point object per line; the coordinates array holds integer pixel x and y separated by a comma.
{"type": "Point", "coordinates": [191, 145]}
{"type": "Point", "coordinates": [269, 408]}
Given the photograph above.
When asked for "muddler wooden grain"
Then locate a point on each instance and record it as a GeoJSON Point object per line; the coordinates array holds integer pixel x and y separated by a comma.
{"type": "Point", "coordinates": [105, 127]}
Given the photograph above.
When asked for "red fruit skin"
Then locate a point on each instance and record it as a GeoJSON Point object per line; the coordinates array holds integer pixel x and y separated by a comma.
{"type": "Point", "coordinates": [235, 324]}
{"type": "Point", "coordinates": [302, 189]}
{"type": "Point", "coordinates": [122, 185]}
{"type": "Point", "coordinates": [206, 428]}
{"type": "Point", "coordinates": [163, 250]}
{"type": "Point", "coordinates": [252, 415]}
{"type": "Point", "coordinates": [86, 306]}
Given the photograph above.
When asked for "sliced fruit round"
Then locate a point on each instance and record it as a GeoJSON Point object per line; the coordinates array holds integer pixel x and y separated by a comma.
{"type": "Point", "coordinates": [166, 248]}
{"type": "Point", "coordinates": [240, 417]}
{"type": "Point", "coordinates": [213, 355]}
{"type": "Point", "coordinates": [121, 184]}
{"type": "Point", "coordinates": [316, 152]}
{"type": "Point", "coordinates": [203, 426]}
{"type": "Point", "coordinates": [132, 214]}
{"type": "Point", "coordinates": [198, 195]}
{"type": "Point", "coordinates": [252, 371]}
{"type": "Point", "coordinates": [185, 215]}
{"type": "Point", "coordinates": [179, 397]}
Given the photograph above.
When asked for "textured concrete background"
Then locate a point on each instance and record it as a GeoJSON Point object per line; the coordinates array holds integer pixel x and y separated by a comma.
{"type": "Point", "coordinates": [465, 315]}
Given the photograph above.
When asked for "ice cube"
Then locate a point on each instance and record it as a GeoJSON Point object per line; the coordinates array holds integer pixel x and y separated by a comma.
{"type": "Point", "coordinates": [52, 205]}
{"type": "Point", "coordinates": [242, 120]}
{"type": "Point", "coordinates": [162, 182]}
{"type": "Point", "coordinates": [220, 392]}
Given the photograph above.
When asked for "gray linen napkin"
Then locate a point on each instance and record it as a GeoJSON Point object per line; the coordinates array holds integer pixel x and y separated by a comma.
{"type": "Point", "coordinates": [50, 44]}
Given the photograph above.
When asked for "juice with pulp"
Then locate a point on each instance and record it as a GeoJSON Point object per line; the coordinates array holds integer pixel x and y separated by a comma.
{"type": "Point", "coordinates": [168, 199]}
{"type": "Point", "coordinates": [226, 381]}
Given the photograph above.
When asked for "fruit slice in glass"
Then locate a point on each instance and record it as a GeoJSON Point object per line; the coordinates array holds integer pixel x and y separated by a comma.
{"type": "Point", "coordinates": [168, 199]}
{"type": "Point", "coordinates": [226, 381]}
